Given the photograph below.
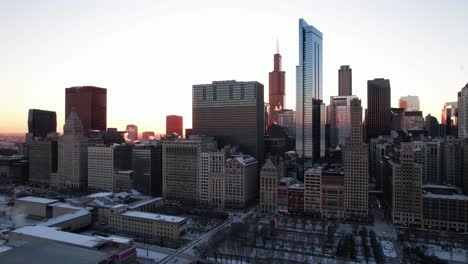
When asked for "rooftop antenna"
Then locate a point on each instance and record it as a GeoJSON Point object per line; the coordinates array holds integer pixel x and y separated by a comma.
{"type": "Point", "coordinates": [277, 46]}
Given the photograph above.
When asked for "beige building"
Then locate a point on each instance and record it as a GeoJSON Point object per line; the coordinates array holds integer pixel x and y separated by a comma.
{"type": "Point", "coordinates": [312, 191]}
{"type": "Point", "coordinates": [269, 179]}
{"type": "Point", "coordinates": [240, 180]}
{"type": "Point", "coordinates": [123, 181]}
{"type": "Point", "coordinates": [356, 167]}
{"type": "Point", "coordinates": [72, 155]}
{"type": "Point", "coordinates": [211, 183]}
{"type": "Point", "coordinates": [100, 168]}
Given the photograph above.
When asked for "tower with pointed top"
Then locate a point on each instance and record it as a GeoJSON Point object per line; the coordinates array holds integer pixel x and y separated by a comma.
{"type": "Point", "coordinates": [72, 155]}
{"type": "Point", "coordinates": [276, 88]}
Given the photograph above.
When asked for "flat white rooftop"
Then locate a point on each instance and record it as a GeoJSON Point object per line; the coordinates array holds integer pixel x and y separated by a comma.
{"type": "Point", "coordinates": [159, 217]}
{"type": "Point", "coordinates": [66, 217]}
{"type": "Point", "coordinates": [59, 236]}
{"type": "Point", "coordinates": [37, 200]}
{"type": "Point", "coordinates": [100, 194]}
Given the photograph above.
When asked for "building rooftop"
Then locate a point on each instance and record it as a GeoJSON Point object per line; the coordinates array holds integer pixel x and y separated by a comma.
{"type": "Point", "coordinates": [244, 159]}
{"type": "Point", "coordinates": [37, 200]}
{"type": "Point", "coordinates": [445, 196]}
{"type": "Point", "coordinates": [159, 217]}
{"type": "Point", "coordinates": [100, 194]}
{"type": "Point", "coordinates": [137, 204]}
{"type": "Point", "coordinates": [69, 206]}
{"type": "Point", "coordinates": [63, 218]}
{"type": "Point", "coordinates": [60, 236]}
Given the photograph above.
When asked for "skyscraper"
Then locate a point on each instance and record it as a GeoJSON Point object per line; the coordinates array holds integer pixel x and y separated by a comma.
{"type": "Point", "coordinates": [310, 127]}
{"type": "Point", "coordinates": [90, 104]}
{"type": "Point", "coordinates": [147, 168]}
{"type": "Point", "coordinates": [432, 126]}
{"type": "Point", "coordinates": [276, 90]}
{"type": "Point", "coordinates": [41, 123]}
{"type": "Point", "coordinates": [232, 112]}
{"type": "Point", "coordinates": [409, 103]}
{"type": "Point", "coordinates": [356, 167]}
{"type": "Point", "coordinates": [72, 155]}
{"type": "Point", "coordinates": [148, 135]}
{"type": "Point", "coordinates": [463, 113]}
{"type": "Point", "coordinates": [340, 119]}
{"type": "Point", "coordinates": [378, 108]}
{"type": "Point", "coordinates": [132, 132]}
{"type": "Point", "coordinates": [449, 120]}
{"type": "Point", "coordinates": [174, 124]}
{"type": "Point", "coordinates": [345, 81]}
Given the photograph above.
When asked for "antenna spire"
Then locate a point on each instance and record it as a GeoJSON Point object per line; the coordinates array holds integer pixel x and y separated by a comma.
{"type": "Point", "coordinates": [277, 46]}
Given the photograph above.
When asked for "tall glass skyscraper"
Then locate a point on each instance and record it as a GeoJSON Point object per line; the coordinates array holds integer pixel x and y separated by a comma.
{"type": "Point", "coordinates": [310, 122]}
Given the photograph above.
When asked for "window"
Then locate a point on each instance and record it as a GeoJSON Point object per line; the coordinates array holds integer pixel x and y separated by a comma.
{"type": "Point", "coordinates": [215, 95]}
{"type": "Point", "coordinates": [204, 93]}
{"type": "Point", "coordinates": [231, 92]}
{"type": "Point", "coordinates": [242, 92]}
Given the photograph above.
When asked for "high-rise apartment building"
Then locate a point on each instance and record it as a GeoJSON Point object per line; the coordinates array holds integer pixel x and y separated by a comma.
{"type": "Point", "coordinates": [310, 110]}
{"type": "Point", "coordinates": [378, 108]}
{"type": "Point", "coordinates": [276, 89]}
{"type": "Point", "coordinates": [431, 125]}
{"type": "Point", "coordinates": [463, 113]}
{"type": "Point", "coordinates": [407, 188]}
{"type": "Point", "coordinates": [104, 162]}
{"type": "Point", "coordinates": [356, 167]}
{"type": "Point", "coordinates": [340, 119]}
{"type": "Point", "coordinates": [90, 104]}
{"type": "Point", "coordinates": [232, 112]}
{"type": "Point", "coordinates": [345, 81]}
{"type": "Point", "coordinates": [41, 123]}
{"type": "Point", "coordinates": [72, 155]}
{"type": "Point", "coordinates": [147, 168]}
{"type": "Point", "coordinates": [175, 124]}
{"type": "Point", "coordinates": [132, 133]}
{"type": "Point", "coordinates": [409, 103]}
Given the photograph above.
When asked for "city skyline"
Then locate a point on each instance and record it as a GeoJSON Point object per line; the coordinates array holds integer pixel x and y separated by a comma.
{"type": "Point", "coordinates": [75, 51]}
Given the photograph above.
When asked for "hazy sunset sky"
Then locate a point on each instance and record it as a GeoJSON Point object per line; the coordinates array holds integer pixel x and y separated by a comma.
{"type": "Point", "coordinates": [148, 54]}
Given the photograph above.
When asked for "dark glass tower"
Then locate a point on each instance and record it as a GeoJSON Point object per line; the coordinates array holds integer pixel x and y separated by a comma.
{"type": "Point", "coordinates": [90, 103]}
{"type": "Point", "coordinates": [345, 84]}
{"type": "Point", "coordinates": [41, 122]}
{"type": "Point", "coordinates": [232, 112]}
{"type": "Point", "coordinates": [378, 108]}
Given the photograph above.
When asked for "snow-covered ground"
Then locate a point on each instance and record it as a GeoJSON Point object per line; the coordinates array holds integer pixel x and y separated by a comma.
{"type": "Point", "coordinates": [148, 254]}
{"type": "Point", "coordinates": [388, 249]}
{"type": "Point", "coordinates": [451, 255]}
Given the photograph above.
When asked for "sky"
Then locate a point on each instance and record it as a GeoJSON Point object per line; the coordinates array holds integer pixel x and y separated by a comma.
{"type": "Point", "coordinates": [148, 54]}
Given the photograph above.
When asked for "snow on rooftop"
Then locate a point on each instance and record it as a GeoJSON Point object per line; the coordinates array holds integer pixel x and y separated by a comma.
{"type": "Point", "coordinates": [65, 205]}
{"type": "Point", "coordinates": [159, 217]}
{"type": "Point", "coordinates": [445, 196]}
{"type": "Point", "coordinates": [100, 194]}
{"type": "Point", "coordinates": [37, 200]}
{"type": "Point", "coordinates": [143, 202]}
{"type": "Point", "coordinates": [148, 254]}
{"type": "Point", "coordinates": [117, 239]}
{"type": "Point", "coordinates": [64, 218]}
{"type": "Point", "coordinates": [5, 248]}
{"type": "Point", "coordinates": [59, 236]}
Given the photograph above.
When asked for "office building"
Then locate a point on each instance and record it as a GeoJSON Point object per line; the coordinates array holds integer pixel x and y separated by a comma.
{"type": "Point", "coordinates": [232, 112]}
{"type": "Point", "coordinates": [463, 113]}
{"type": "Point", "coordinates": [132, 133]}
{"type": "Point", "coordinates": [41, 123]}
{"type": "Point", "coordinates": [452, 163]}
{"type": "Point", "coordinates": [277, 95]}
{"type": "Point", "coordinates": [378, 108]}
{"type": "Point", "coordinates": [465, 166]}
{"type": "Point", "coordinates": [345, 81]}
{"type": "Point", "coordinates": [175, 124]}
{"type": "Point", "coordinates": [407, 188]}
{"type": "Point", "coordinates": [429, 155]}
{"type": "Point", "coordinates": [72, 155]}
{"type": "Point", "coordinates": [212, 177]}
{"type": "Point", "coordinates": [397, 119]}
{"type": "Point", "coordinates": [269, 180]}
{"type": "Point", "coordinates": [113, 136]}
{"type": "Point", "coordinates": [409, 103]}
{"type": "Point", "coordinates": [431, 125]}
{"type": "Point", "coordinates": [240, 181]}
{"type": "Point", "coordinates": [312, 191]}
{"type": "Point", "coordinates": [413, 120]}
{"type": "Point", "coordinates": [90, 104]}
{"type": "Point", "coordinates": [43, 160]}
{"type": "Point", "coordinates": [148, 135]}
{"type": "Point", "coordinates": [310, 110]}
{"type": "Point", "coordinates": [449, 120]}
{"type": "Point", "coordinates": [188, 133]}
{"type": "Point", "coordinates": [103, 162]}
{"type": "Point", "coordinates": [340, 119]}
{"type": "Point", "coordinates": [287, 118]}
{"type": "Point", "coordinates": [356, 167]}
{"type": "Point", "coordinates": [13, 169]}
{"type": "Point", "coordinates": [147, 168]}
{"type": "Point", "coordinates": [123, 181]}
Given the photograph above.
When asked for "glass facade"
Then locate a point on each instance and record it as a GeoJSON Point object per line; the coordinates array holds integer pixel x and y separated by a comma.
{"type": "Point", "coordinates": [309, 123]}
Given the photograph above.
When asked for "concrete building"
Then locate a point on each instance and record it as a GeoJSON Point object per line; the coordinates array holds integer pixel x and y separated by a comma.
{"type": "Point", "coordinates": [43, 160]}
{"type": "Point", "coordinates": [340, 119]}
{"type": "Point", "coordinates": [312, 191]}
{"type": "Point", "coordinates": [103, 162]}
{"type": "Point", "coordinates": [240, 180]}
{"type": "Point", "coordinates": [123, 181]}
{"type": "Point", "coordinates": [132, 133]}
{"type": "Point", "coordinates": [413, 120]}
{"type": "Point", "coordinates": [269, 181]}
{"type": "Point", "coordinates": [452, 163]}
{"type": "Point", "coordinates": [429, 155]}
{"type": "Point", "coordinates": [407, 188]}
{"type": "Point", "coordinates": [239, 102]}
{"type": "Point", "coordinates": [444, 208]}
{"type": "Point", "coordinates": [41, 123]}
{"type": "Point", "coordinates": [296, 198]}
{"type": "Point", "coordinates": [409, 103]}
{"type": "Point", "coordinates": [310, 117]}
{"type": "Point", "coordinates": [72, 155]}
{"type": "Point", "coordinates": [13, 169]}
{"type": "Point", "coordinates": [277, 95]}
{"type": "Point", "coordinates": [356, 167]}
{"type": "Point", "coordinates": [212, 177]}
{"type": "Point", "coordinates": [90, 105]}
{"type": "Point", "coordinates": [175, 124]}
{"type": "Point", "coordinates": [147, 168]}
{"type": "Point", "coordinates": [463, 113]}
{"type": "Point", "coordinates": [378, 108]}
{"type": "Point", "coordinates": [345, 81]}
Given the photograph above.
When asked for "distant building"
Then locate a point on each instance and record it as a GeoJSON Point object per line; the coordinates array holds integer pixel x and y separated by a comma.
{"type": "Point", "coordinates": [41, 123]}
{"type": "Point", "coordinates": [429, 154]}
{"type": "Point", "coordinates": [188, 133]}
{"type": "Point", "coordinates": [463, 113]}
{"type": "Point", "coordinates": [43, 160]}
{"type": "Point", "coordinates": [397, 119]}
{"type": "Point", "coordinates": [432, 126]}
{"type": "Point", "coordinates": [113, 136]}
{"type": "Point", "coordinates": [310, 116]}
{"type": "Point", "coordinates": [232, 112]}
{"type": "Point", "coordinates": [72, 155]}
{"type": "Point", "coordinates": [175, 124]}
{"type": "Point", "coordinates": [90, 104]}
{"type": "Point", "coordinates": [132, 133]}
{"type": "Point", "coordinates": [241, 181]}
{"type": "Point", "coordinates": [345, 81]}
{"type": "Point", "coordinates": [413, 120]}
{"type": "Point", "coordinates": [449, 120]}
{"type": "Point", "coordinates": [312, 191]}
{"type": "Point", "coordinates": [409, 103]}
{"type": "Point", "coordinates": [148, 135]}
{"type": "Point", "coordinates": [287, 118]}
{"type": "Point", "coordinates": [465, 166]}
{"type": "Point", "coordinates": [340, 119]}
{"type": "Point", "coordinates": [269, 180]}
{"type": "Point", "coordinates": [277, 95]}
{"type": "Point", "coordinates": [378, 108]}
{"type": "Point", "coordinates": [147, 165]}
{"type": "Point", "coordinates": [13, 169]}
{"type": "Point", "coordinates": [212, 177]}
{"type": "Point", "coordinates": [452, 163]}
{"type": "Point", "coordinates": [123, 181]}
